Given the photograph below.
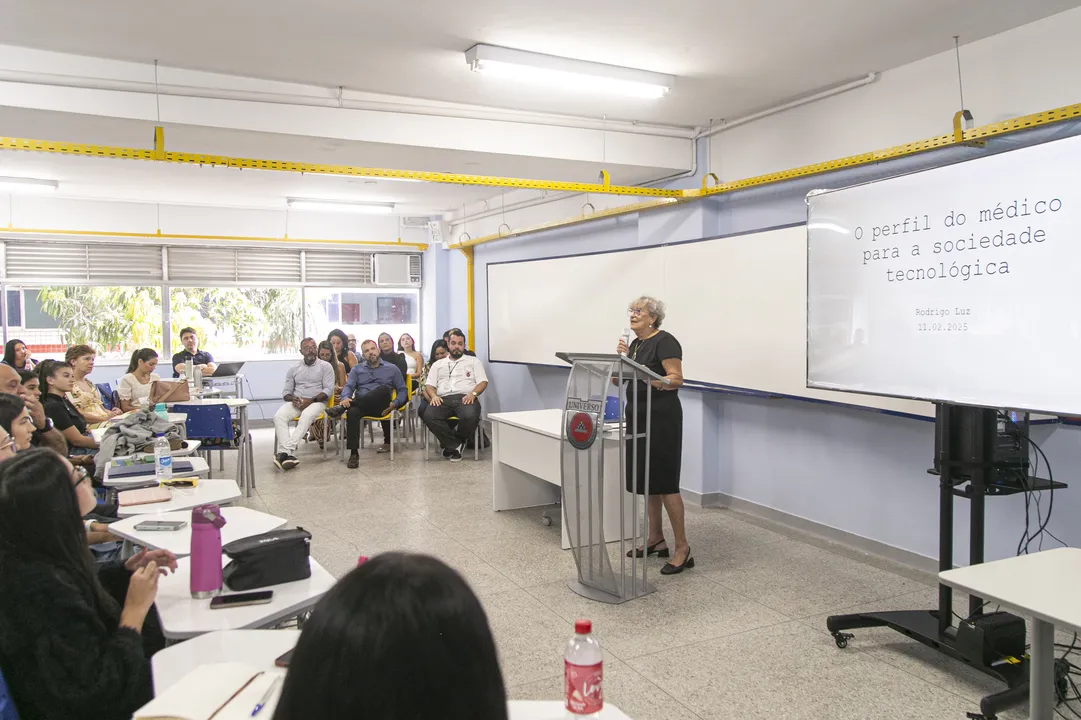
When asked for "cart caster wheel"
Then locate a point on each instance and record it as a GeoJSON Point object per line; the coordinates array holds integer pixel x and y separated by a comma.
{"type": "Point", "coordinates": [547, 521]}
{"type": "Point", "coordinates": [842, 639]}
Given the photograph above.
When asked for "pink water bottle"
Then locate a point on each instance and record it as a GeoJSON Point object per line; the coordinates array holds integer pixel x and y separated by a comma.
{"type": "Point", "coordinates": [583, 671]}
{"type": "Point", "coordinates": [206, 524]}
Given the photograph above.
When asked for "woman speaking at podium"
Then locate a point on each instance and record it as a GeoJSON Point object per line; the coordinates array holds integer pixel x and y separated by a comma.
{"type": "Point", "coordinates": [659, 351]}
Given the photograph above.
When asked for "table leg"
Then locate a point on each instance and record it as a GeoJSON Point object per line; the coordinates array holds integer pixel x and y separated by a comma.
{"type": "Point", "coordinates": [243, 455]}
{"type": "Point", "coordinates": [1041, 682]}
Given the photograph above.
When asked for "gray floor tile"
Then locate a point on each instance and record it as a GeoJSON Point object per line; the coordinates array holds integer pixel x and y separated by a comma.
{"type": "Point", "coordinates": [799, 580]}
{"type": "Point", "coordinates": [789, 671]}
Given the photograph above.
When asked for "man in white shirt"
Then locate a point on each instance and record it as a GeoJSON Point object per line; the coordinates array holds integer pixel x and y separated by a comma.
{"type": "Point", "coordinates": [308, 386]}
{"type": "Point", "coordinates": [453, 387]}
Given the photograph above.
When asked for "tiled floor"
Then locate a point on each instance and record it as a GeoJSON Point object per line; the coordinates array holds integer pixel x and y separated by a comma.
{"type": "Point", "coordinates": [740, 636]}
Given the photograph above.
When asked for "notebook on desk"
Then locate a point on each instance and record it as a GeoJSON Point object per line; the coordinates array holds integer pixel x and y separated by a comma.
{"type": "Point", "coordinates": [218, 691]}
{"type": "Point", "coordinates": [143, 496]}
{"type": "Point", "coordinates": [123, 471]}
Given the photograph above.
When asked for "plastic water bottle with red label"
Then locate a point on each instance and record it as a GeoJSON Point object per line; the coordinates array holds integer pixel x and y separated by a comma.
{"type": "Point", "coordinates": [583, 667]}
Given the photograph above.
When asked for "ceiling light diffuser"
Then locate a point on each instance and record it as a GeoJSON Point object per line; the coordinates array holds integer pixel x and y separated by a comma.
{"type": "Point", "coordinates": [27, 185]}
{"type": "Point", "coordinates": [369, 208]}
{"type": "Point", "coordinates": [565, 73]}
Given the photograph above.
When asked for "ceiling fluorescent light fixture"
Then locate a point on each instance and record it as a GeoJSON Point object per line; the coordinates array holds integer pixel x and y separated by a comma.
{"type": "Point", "coordinates": [369, 208]}
{"type": "Point", "coordinates": [34, 186]}
{"type": "Point", "coordinates": [578, 75]}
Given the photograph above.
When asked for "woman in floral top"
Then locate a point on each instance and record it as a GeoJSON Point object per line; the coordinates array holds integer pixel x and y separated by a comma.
{"type": "Point", "coordinates": [84, 396]}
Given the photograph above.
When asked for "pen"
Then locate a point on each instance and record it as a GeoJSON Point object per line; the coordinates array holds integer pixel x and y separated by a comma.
{"type": "Point", "coordinates": [266, 696]}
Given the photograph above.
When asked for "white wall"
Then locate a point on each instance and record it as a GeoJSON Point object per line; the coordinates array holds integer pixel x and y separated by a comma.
{"type": "Point", "coordinates": [1019, 72]}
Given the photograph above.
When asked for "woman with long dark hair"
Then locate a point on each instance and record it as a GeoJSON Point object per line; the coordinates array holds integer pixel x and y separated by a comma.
{"type": "Point", "coordinates": [16, 421]}
{"type": "Point", "coordinates": [57, 379]}
{"type": "Point", "coordinates": [340, 343]}
{"type": "Point", "coordinates": [17, 355]}
{"type": "Point", "coordinates": [394, 619]}
{"type": "Point", "coordinates": [439, 351]}
{"type": "Point", "coordinates": [134, 388]}
{"type": "Point", "coordinates": [413, 359]}
{"type": "Point", "coordinates": [67, 647]}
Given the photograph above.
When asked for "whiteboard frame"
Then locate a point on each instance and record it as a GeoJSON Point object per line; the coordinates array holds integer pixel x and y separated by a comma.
{"type": "Point", "coordinates": [692, 384]}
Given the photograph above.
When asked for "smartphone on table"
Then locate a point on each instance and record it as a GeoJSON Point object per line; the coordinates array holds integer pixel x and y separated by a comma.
{"type": "Point", "coordinates": [160, 525]}
{"type": "Point", "coordinates": [260, 597]}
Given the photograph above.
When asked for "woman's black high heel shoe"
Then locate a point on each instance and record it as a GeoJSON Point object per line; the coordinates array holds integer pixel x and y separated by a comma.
{"type": "Point", "coordinates": [670, 569]}
{"type": "Point", "coordinates": [650, 550]}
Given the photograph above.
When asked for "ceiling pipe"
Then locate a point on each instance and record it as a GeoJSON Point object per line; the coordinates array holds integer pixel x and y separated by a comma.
{"type": "Point", "coordinates": [814, 97]}
{"type": "Point", "coordinates": [347, 99]}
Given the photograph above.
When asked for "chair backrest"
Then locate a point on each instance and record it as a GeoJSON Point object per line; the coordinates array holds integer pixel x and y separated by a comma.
{"type": "Point", "coordinates": [7, 704]}
{"type": "Point", "coordinates": [410, 387]}
{"type": "Point", "coordinates": [108, 395]}
{"type": "Point", "coordinates": [207, 422]}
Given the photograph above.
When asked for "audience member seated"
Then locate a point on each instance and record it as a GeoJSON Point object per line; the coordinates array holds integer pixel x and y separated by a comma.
{"type": "Point", "coordinates": [398, 360]}
{"type": "Point", "coordinates": [45, 435]}
{"type": "Point", "coordinates": [439, 351]}
{"type": "Point", "coordinates": [414, 361]}
{"type": "Point", "coordinates": [340, 342]}
{"type": "Point", "coordinates": [458, 331]}
{"type": "Point", "coordinates": [390, 622]}
{"type": "Point", "coordinates": [352, 340]}
{"type": "Point", "coordinates": [368, 393]}
{"type": "Point", "coordinates": [201, 359]}
{"type": "Point", "coordinates": [74, 637]}
{"type": "Point", "coordinates": [326, 354]}
{"type": "Point", "coordinates": [84, 395]}
{"type": "Point", "coordinates": [134, 388]}
{"type": "Point", "coordinates": [16, 421]}
{"type": "Point", "coordinates": [308, 386]}
{"type": "Point", "coordinates": [57, 379]}
{"type": "Point", "coordinates": [453, 388]}
{"type": "Point", "coordinates": [17, 355]}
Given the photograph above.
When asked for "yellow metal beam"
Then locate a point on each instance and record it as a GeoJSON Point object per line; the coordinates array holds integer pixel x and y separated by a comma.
{"type": "Point", "coordinates": [470, 299]}
{"type": "Point", "coordinates": [5, 231]}
{"type": "Point", "coordinates": [161, 155]}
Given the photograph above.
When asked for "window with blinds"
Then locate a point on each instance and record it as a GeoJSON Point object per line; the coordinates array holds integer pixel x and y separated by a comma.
{"type": "Point", "coordinates": [126, 264]}
{"type": "Point", "coordinates": [80, 263]}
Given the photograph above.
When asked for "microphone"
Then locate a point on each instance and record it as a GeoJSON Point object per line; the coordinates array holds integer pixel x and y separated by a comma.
{"type": "Point", "coordinates": [627, 337]}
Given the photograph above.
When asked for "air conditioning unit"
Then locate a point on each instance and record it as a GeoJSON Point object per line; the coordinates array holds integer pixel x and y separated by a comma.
{"type": "Point", "coordinates": [401, 269]}
{"type": "Point", "coordinates": [416, 221]}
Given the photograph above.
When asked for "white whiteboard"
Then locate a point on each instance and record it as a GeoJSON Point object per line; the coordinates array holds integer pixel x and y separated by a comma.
{"type": "Point", "coordinates": [738, 306]}
{"type": "Point", "coordinates": [957, 284]}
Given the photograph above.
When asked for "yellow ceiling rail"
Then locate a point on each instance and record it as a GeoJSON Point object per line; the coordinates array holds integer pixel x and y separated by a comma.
{"type": "Point", "coordinates": [1067, 112]}
{"type": "Point", "coordinates": [585, 217]}
{"type": "Point", "coordinates": [159, 154]}
{"type": "Point", "coordinates": [6, 231]}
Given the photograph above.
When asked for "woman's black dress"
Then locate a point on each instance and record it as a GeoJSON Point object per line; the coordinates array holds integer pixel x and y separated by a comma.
{"type": "Point", "coordinates": [666, 426]}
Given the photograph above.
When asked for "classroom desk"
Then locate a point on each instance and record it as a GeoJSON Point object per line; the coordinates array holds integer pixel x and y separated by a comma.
{"type": "Point", "coordinates": [184, 617]}
{"type": "Point", "coordinates": [199, 469]}
{"type": "Point", "coordinates": [260, 648]}
{"type": "Point", "coordinates": [526, 467]}
{"type": "Point", "coordinates": [217, 492]}
{"type": "Point", "coordinates": [1044, 586]}
{"type": "Point", "coordinates": [245, 465]}
{"type": "Point", "coordinates": [240, 523]}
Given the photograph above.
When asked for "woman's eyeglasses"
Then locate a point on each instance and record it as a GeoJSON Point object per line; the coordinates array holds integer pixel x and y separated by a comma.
{"type": "Point", "coordinates": [78, 475]}
{"type": "Point", "coordinates": [635, 311]}
{"type": "Point", "coordinates": [8, 442]}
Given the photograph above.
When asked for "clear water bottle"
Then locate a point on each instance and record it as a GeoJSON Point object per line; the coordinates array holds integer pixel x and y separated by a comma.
{"type": "Point", "coordinates": [163, 459]}
{"type": "Point", "coordinates": [583, 669]}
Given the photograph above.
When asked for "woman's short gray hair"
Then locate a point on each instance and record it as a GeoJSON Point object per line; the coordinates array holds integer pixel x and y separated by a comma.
{"type": "Point", "coordinates": [653, 306]}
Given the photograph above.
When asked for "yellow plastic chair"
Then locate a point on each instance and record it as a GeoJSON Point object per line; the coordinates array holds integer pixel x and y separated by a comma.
{"type": "Point", "coordinates": [392, 416]}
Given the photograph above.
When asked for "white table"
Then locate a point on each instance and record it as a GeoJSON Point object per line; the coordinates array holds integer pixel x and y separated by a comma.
{"type": "Point", "coordinates": [199, 468]}
{"type": "Point", "coordinates": [260, 648]}
{"type": "Point", "coordinates": [183, 617]}
{"type": "Point", "coordinates": [526, 467]}
{"type": "Point", "coordinates": [240, 523]}
{"type": "Point", "coordinates": [218, 492]}
{"type": "Point", "coordinates": [1045, 586]}
{"type": "Point", "coordinates": [245, 466]}
{"type": "Point", "coordinates": [99, 432]}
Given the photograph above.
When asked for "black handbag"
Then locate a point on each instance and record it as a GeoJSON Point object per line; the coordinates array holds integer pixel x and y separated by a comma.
{"type": "Point", "coordinates": [273, 558]}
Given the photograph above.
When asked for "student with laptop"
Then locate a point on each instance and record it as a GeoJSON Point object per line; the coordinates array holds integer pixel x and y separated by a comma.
{"type": "Point", "coordinates": [201, 359]}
